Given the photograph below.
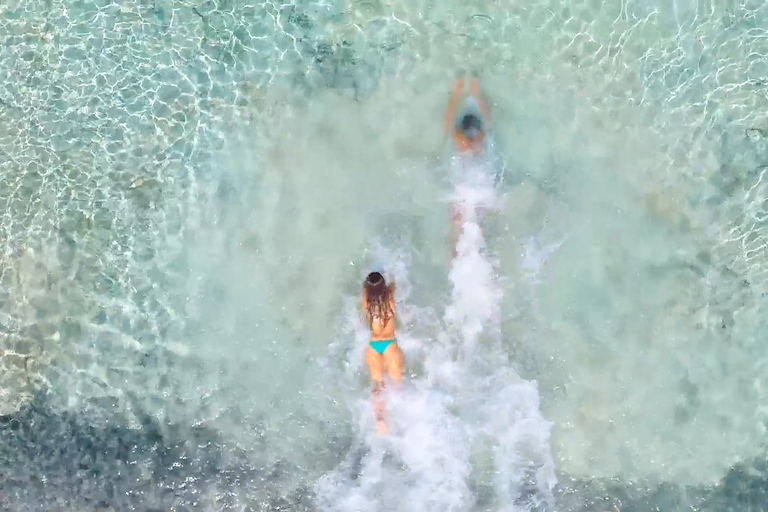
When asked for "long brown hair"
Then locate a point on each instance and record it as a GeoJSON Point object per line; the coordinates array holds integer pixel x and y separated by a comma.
{"type": "Point", "coordinates": [377, 298]}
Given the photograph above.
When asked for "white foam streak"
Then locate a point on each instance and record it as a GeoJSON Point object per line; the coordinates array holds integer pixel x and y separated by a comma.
{"type": "Point", "coordinates": [468, 397]}
{"type": "Point", "coordinates": [475, 297]}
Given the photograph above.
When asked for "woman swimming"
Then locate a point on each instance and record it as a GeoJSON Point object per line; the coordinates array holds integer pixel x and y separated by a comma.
{"type": "Point", "coordinates": [468, 137]}
{"type": "Point", "coordinates": [382, 355]}
{"type": "Point", "coordinates": [467, 132]}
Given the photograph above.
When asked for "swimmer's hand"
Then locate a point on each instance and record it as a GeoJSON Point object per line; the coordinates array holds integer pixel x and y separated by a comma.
{"type": "Point", "coordinates": [458, 87]}
{"type": "Point", "coordinates": [474, 87]}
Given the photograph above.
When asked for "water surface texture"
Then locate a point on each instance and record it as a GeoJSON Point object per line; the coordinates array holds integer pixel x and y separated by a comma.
{"type": "Point", "coordinates": [192, 192]}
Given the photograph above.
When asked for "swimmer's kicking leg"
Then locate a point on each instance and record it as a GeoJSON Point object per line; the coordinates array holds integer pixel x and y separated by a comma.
{"type": "Point", "coordinates": [375, 364]}
{"type": "Point", "coordinates": [382, 366]}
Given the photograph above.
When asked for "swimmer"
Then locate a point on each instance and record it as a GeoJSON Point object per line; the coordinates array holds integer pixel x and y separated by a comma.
{"type": "Point", "coordinates": [382, 355]}
{"type": "Point", "coordinates": [468, 132]}
{"type": "Point", "coordinates": [468, 136]}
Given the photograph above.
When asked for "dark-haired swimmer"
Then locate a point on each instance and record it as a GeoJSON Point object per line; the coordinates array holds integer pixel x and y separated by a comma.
{"type": "Point", "coordinates": [382, 355]}
{"type": "Point", "coordinates": [468, 131]}
{"type": "Point", "coordinates": [468, 135]}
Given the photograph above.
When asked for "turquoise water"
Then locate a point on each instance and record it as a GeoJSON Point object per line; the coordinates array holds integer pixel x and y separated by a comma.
{"type": "Point", "coordinates": [191, 193]}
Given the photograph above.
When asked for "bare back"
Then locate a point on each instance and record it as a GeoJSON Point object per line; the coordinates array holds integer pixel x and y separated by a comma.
{"type": "Point", "coordinates": [381, 328]}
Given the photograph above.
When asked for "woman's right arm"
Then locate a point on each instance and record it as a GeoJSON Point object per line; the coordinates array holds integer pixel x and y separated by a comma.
{"type": "Point", "coordinates": [453, 101]}
{"type": "Point", "coordinates": [481, 105]}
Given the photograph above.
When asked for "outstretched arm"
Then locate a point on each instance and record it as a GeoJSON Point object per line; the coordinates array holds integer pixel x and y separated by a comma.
{"type": "Point", "coordinates": [475, 92]}
{"type": "Point", "coordinates": [453, 102]}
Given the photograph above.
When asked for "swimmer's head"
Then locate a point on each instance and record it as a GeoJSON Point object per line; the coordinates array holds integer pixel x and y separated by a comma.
{"type": "Point", "coordinates": [471, 126]}
{"type": "Point", "coordinates": [377, 296]}
{"type": "Point", "coordinates": [374, 284]}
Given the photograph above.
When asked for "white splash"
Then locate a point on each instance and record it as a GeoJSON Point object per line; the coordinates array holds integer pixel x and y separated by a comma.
{"type": "Point", "coordinates": [467, 399]}
{"type": "Point", "coordinates": [535, 257]}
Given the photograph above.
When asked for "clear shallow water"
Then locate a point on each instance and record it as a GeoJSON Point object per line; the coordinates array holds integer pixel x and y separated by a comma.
{"type": "Point", "coordinates": [192, 191]}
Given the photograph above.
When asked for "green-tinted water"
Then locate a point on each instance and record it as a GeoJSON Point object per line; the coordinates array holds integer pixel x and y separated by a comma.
{"type": "Point", "coordinates": [190, 192]}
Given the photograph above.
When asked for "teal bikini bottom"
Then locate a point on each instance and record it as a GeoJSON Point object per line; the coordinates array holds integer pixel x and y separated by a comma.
{"type": "Point", "coordinates": [381, 345]}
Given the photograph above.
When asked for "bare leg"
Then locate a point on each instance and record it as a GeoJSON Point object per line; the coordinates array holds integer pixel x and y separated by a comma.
{"type": "Point", "coordinates": [394, 359]}
{"type": "Point", "coordinates": [375, 362]}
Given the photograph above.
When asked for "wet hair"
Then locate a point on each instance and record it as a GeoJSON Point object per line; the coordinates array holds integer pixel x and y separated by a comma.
{"type": "Point", "coordinates": [377, 298]}
{"type": "Point", "coordinates": [470, 124]}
